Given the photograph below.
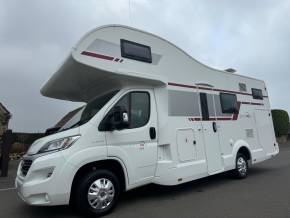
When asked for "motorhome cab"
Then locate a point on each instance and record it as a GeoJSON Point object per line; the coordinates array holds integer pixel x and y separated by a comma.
{"type": "Point", "coordinates": [153, 114]}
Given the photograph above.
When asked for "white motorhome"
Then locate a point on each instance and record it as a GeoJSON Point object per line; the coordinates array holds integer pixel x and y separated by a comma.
{"type": "Point", "coordinates": [153, 115]}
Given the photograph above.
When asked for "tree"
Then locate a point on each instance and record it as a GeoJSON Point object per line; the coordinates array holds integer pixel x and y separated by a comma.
{"type": "Point", "coordinates": [281, 122]}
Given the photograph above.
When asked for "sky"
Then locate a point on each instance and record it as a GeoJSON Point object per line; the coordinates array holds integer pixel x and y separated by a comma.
{"type": "Point", "coordinates": [251, 36]}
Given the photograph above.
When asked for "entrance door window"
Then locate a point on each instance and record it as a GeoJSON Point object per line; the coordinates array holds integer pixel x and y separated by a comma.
{"type": "Point", "coordinates": [204, 106]}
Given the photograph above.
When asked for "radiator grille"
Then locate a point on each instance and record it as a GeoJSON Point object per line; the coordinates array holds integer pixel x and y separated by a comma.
{"type": "Point", "coordinates": [25, 166]}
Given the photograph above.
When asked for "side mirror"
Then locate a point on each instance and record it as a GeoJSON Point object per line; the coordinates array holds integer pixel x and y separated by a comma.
{"type": "Point", "coordinates": [120, 118]}
{"type": "Point", "coordinates": [117, 118]}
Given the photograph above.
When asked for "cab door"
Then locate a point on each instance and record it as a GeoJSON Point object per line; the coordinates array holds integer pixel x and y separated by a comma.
{"type": "Point", "coordinates": [210, 132]}
{"type": "Point", "coordinates": [136, 145]}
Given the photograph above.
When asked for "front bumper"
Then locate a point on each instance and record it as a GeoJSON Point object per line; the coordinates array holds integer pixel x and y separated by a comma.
{"type": "Point", "coordinates": [46, 182]}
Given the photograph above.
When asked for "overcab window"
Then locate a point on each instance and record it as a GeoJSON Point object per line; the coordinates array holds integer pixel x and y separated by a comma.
{"type": "Point", "coordinates": [136, 51]}
{"type": "Point", "coordinates": [228, 103]}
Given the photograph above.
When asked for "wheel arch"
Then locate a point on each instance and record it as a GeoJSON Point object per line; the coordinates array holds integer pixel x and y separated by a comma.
{"type": "Point", "coordinates": [113, 164]}
{"type": "Point", "coordinates": [244, 148]}
{"type": "Point", "coordinates": [245, 151]}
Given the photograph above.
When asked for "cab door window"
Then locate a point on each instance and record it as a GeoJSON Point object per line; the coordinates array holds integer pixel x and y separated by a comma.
{"type": "Point", "coordinates": [140, 109]}
{"type": "Point", "coordinates": [137, 105]}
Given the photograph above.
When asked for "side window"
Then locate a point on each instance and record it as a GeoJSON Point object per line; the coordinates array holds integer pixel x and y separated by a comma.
{"type": "Point", "coordinates": [137, 105]}
{"type": "Point", "coordinates": [204, 106]}
{"type": "Point", "coordinates": [124, 102]}
{"type": "Point", "coordinates": [228, 102]}
{"type": "Point", "coordinates": [188, 100]}
{"type": "Point", "coordinates": [140, 109]}
{"type": "Point", "coordinates": [257, 94]}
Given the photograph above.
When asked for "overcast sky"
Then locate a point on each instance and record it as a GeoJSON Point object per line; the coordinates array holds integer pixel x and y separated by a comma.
{"type": "Point", "coordinates": [251, 36]}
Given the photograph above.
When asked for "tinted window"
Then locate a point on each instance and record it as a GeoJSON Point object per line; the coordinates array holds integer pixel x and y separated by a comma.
{"type": "Point", "coordinates": [140, 109]}
{"type": "Point", "coordinates": [188, 100]}
{"type": "Point", "coordinates": [124, 102]}
{"type": "Point", "coordinates": [257, 94]}
{"type": "Point", "coordinates": [137, 105]}
{"type": "Point", "coordinates": [88, 111]}
{"type": "Point", "coordinates": [228, 103]}
{"type": "Point", "coordinates": [204, 106]}
{"type": "Point", "coordinates": [135, 51]}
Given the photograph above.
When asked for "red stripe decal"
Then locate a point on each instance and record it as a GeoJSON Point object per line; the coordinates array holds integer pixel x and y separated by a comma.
{"type": "Point", "coordinates": [210, 119]}
{"type": "Point", "coordinates": [224, 118]}
{"type": "Point", "coordinates": [194, 118]}
{"type": "Point", "coordinates": [235, 117]}
{"type": "Point", "coordinates": [253, 103]}
{"type": "Point", "coordinates": [91, 54]}
{"type": "Point", "coordinates": [232, 92]}
{"type": "Point", "coordinates": [204, 88]}
{"type": "Point", "coordinates": [243, 102]}
{"type": "Point", "coordinates": [181, 85]}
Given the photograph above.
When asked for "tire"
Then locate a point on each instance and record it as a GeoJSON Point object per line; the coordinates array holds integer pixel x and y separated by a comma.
{"type": "Point", "coordinates": [241, 170]}
{"type": "Point", "coordinates": [97, 193]}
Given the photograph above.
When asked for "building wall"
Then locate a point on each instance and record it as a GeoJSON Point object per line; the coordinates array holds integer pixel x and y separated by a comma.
{"type": "Point", "coordinates": [4, 121]}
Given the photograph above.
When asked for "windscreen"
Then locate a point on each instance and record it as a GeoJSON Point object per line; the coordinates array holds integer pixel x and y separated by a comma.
{"type": "Point", "coordinates": [88, 111]}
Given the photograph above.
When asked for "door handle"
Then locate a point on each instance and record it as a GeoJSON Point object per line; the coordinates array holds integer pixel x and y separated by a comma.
{"type": "Point", "coordinates": [152, 132]}
{"type": "Point", "coordinates": [214, 126]}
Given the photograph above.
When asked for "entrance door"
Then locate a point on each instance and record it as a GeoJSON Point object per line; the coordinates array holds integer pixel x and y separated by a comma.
{"type": "Point", "coordinates": [136, 145]}
{"type": "Point", "coordinates": [210, 133]}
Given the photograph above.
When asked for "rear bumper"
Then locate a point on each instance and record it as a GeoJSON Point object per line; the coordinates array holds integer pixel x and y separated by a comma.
{"type": "Point", "coordinates": [42, 185]}
{"type": "Point", "coordinates": [276, 151]}
{"type": "Point", "coordinates": [267, 156]}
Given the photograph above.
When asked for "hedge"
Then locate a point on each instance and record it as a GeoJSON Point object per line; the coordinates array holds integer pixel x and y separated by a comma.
{"type": "Point", "coordinates": [281, 122]}
{"type": "Point", "coordinates": [26, 138]}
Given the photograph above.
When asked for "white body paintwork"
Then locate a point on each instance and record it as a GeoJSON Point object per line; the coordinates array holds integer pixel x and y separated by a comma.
{"type": "Point", "coordinates": [173, 157]}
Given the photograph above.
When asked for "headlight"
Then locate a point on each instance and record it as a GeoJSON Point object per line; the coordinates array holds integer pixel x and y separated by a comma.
{"type": "Point", "coordinates": [59, 144]}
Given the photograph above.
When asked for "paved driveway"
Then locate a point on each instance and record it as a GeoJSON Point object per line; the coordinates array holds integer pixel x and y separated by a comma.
{"type": "Point", "coordinates": [265, 193]}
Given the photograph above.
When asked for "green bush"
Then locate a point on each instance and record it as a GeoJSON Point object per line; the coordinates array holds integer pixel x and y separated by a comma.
{"type": "Point", "coordinates": [26, 138]}
{"type": "Point", "coordinates": [281, 122]}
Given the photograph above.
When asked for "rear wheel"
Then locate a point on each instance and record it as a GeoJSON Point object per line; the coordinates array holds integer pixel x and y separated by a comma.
{"type": "Point", "coordinates": [241, 170]}
{"type": "Point", "coordinates": [97, 193]}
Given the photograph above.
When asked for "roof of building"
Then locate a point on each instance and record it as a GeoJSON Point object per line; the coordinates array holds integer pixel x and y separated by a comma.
{"type": "Point", "coordinates": [4, 109]}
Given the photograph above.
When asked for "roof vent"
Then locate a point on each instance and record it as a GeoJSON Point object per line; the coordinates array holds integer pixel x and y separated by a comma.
{"type": "Point", "coordinates": [231, 70]}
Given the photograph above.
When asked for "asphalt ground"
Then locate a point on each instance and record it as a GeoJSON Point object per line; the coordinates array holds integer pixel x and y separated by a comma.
{"type": "Point", "coordinates": [264, 193]}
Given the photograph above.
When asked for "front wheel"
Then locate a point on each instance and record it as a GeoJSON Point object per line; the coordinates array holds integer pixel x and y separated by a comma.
{"type": "Point", "coordinates": [241, 170]}
{"type": "Point", "coordinates": [97, 193]}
